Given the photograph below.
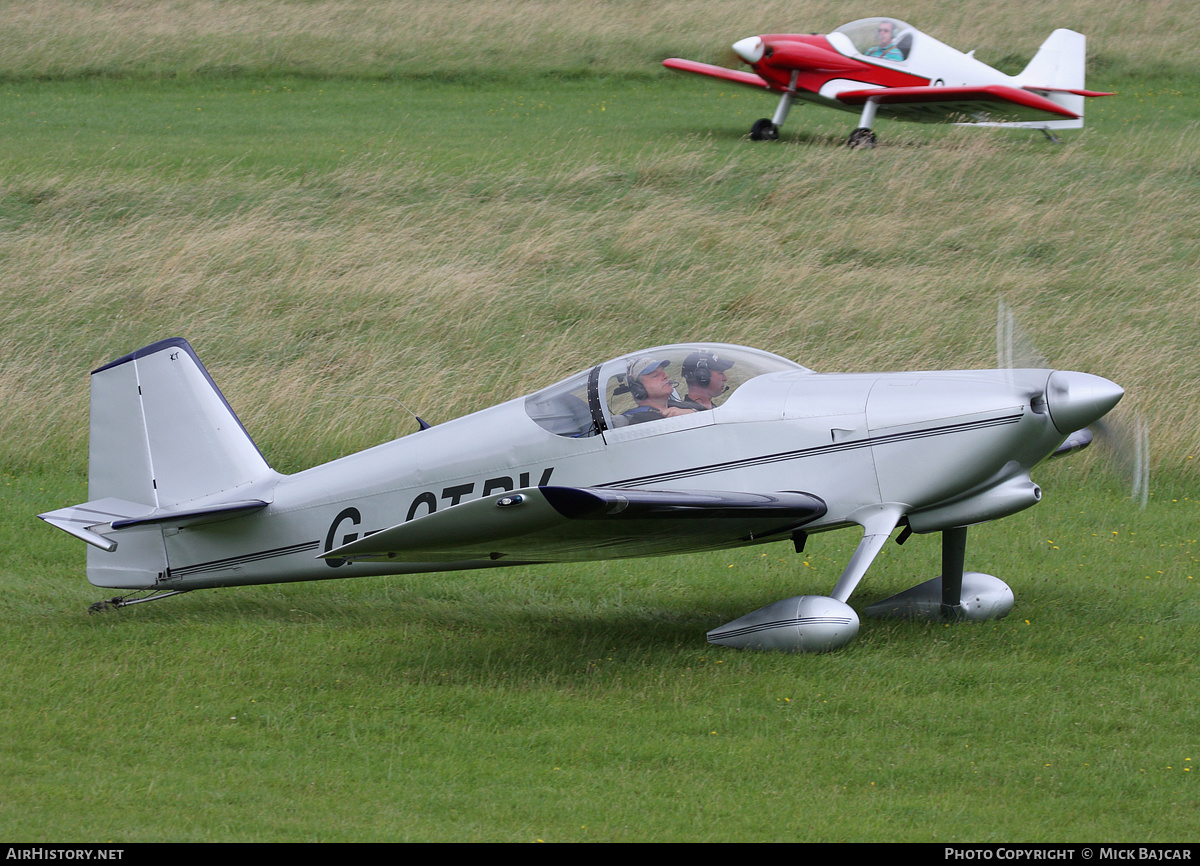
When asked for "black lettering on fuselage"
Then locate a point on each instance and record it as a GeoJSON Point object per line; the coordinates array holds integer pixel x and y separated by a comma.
{"type": "Point", "coordinates": [542, 482]}
{"type": "Point", "coordinates": [503, 484]}
{"type": "Point", "coordinates": [456, 493]}
{"type": "Point", "coordinates": [428, 500]}
{"type": "Point", "coordinates": [355, 518]}
{"type": "Point", "coordinates": [425, 498]}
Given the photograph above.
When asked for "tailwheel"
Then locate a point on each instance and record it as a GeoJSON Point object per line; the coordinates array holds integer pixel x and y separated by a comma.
{"type": "Point", "coordinates": [133, 598]}
{"type": "Point", "coordinates": [862, 137]}
{"type": "Point", "coordinates": [764, 130]}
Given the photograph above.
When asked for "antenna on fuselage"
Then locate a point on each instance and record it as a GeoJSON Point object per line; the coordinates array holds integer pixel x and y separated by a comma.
{"type": "Point", "coordinates": [424, 425]}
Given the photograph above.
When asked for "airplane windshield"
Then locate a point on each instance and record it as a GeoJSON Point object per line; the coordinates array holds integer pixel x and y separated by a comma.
{"type": "Point", "coordinates": [649, 385]}
{"type": "Point", "coordinates": [886, 38]}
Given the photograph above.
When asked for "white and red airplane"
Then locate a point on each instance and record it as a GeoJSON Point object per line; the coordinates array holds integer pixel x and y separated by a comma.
{"type": "Point", "coordinates": [882, 67]}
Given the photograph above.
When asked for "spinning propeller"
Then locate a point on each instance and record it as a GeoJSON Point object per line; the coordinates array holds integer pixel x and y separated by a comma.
{"type": "Point", "coordinates": [1126, 439]}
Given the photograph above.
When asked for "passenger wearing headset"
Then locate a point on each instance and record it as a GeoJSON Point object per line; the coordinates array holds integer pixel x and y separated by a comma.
{"type": "Point", "coordinates": [649, 385]}
{"type": "Point", "coordinates": [705, 375]}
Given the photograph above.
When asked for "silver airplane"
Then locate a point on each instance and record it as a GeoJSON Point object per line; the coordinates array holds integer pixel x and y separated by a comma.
{"type": "Point", "coordinates": [673, 449]}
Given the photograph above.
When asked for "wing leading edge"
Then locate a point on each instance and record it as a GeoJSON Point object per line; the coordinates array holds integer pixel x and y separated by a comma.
{"type": "Point", "coordinates": [749, 79]}
{"type": "Point", "coordinates": [570, 524]}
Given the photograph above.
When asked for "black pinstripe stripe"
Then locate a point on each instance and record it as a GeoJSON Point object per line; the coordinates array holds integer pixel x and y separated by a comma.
{"type": "Point", "coordinates": [780, 623]}
{"type": "Point", "coordinates": [802, 453]}
{"type": "Point", "coordinates": [235, 561]}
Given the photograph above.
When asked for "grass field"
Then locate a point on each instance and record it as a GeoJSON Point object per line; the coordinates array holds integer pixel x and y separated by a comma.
{"type": "Point", "coordinates": [333, 198]}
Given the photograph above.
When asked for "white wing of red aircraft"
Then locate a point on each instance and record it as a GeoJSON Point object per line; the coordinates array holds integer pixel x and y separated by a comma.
{"type": "Point", "coordinates": [609, 463]}
{"type": "Point", "coordinates": [882, 67]}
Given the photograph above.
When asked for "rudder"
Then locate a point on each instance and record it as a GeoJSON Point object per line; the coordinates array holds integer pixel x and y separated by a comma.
{"type": "Point", "coordinates": [1056, 71]}
{"type": "Point", "coordinates": [162, 433]}
{"type": "Point", "coordinates": [165, 449]}
{"type": "Point", "coordinates": [1059, 62]}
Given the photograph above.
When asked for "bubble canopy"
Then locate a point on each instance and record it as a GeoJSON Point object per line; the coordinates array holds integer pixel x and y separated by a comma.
{"type": "Point", "coordinates": [887, 38]}
{"type": "Point", "coordinates": [611, 394]}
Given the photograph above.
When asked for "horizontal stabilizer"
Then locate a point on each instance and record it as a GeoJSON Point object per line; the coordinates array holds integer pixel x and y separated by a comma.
{"type": "Point", "coordinates": [116, 514]}
{"type": "Point", "coordinates": [1071, 90]}
{"type": "Point", "coordinates": [80, 520]}
{"type": "Point", "coordinates": [565, 524]}
{"type": "Point", "coordinates": [178, 517]}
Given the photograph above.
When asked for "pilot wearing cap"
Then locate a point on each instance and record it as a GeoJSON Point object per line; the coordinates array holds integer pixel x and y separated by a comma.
{"type": "Point", "coordinates": [704, 372]}
{"type": "Point", "coordinates": [653, 390]}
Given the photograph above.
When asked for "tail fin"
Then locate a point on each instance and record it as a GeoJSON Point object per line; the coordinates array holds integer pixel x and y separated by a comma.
{"type": "Point", "coordinates": [1058, 64]}
{"type": "Point", "coordinates": [1057, 73]}
{"type": "Point", "coordinates": [162, 433]}
{"type": "Point", "coordinates": [165, 448]}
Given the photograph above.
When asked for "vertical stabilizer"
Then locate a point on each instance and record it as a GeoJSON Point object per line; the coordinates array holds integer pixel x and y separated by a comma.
{"type": "Point", "coordinates": [162, 433]}
{"type": "Point", "coordinates": [1058, 64]}
{"type": "Point", "coordinates": [165, 449]}
{"type": "Point", "coordinates": [1056, 70]}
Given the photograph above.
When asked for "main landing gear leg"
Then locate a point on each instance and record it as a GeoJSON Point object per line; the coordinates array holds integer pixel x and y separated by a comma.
{"type": "Point", "coordinates": [864, 136]}
{"type": "Point", "coordinates": [768, 129]}
{"type": "Point", "coordinates": [954, 554]}
{"type": "Point", "coordinates": [814, 623]}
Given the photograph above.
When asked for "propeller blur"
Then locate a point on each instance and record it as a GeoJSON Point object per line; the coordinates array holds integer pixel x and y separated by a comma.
{"type": "Point", "coordinates": [1126, 440]}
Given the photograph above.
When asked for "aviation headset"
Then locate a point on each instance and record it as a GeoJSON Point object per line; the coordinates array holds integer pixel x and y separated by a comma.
{"type": "Point", "coordinates": [700, 372]}
{"type": "Point", "coordinates": [633, 381]}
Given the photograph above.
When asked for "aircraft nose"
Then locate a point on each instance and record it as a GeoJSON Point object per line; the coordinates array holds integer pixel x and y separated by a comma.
{"type": "Point", "coordinates": [749, 49]}
{"type": "Point", "coordinates": [1076, 400]}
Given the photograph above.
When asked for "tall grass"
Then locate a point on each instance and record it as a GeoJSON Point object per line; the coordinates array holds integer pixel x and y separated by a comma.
{"type": "Point", "coordinates": [384, 276]}
{"type": "Point", "coordinates": [473, 38]}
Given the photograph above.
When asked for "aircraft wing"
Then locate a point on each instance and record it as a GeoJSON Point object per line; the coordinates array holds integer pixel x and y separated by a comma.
{"type": "Point", "coordinates": [995, 102]}
{"type": "Point", "coordinates": [748, 79]}
{"type": "Point", "coordinates": [565, 524]}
